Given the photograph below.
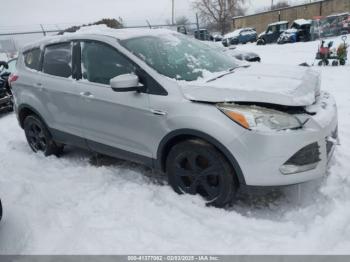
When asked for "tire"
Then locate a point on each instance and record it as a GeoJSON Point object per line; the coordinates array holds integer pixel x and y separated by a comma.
{"type": "Point", "coordinates": [335, 63]}
{"type": "Point", "coordinates": [196, 167]}
{"type": "Point", "coordinates": [260, 42]}
{"type": "Point", "coordinates": [39, 137]}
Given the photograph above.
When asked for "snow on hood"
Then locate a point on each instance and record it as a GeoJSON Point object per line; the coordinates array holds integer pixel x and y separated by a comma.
{"type": "Point", "coordinates": [283, 85]}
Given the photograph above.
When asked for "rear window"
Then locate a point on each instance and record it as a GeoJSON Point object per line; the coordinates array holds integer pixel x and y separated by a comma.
{"type": "Point", "coordinates": [58, 60]}
{"type": "Point", "coordinates": [32, 59]}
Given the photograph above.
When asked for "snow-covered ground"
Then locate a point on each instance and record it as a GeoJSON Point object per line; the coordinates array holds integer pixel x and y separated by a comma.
{"type": "Point", "coordinates": [69, 206]}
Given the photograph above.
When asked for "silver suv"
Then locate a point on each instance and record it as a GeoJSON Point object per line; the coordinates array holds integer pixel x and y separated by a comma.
{"type": "Point", "coordinates": [165, 100]}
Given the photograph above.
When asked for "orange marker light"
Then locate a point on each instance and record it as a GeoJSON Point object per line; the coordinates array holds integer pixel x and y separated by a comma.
{"type": "Point", "coordinates": [237, 117]}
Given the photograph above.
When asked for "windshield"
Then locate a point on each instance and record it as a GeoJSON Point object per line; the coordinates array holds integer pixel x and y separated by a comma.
{"type": "Point", "coordinates": [180, 57]}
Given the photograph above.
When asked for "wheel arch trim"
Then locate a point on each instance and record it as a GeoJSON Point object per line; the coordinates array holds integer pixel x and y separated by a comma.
{"type": "Point", "coordinates": [26, 106]}
{"type": "Point", "coordinates": [169, 138]}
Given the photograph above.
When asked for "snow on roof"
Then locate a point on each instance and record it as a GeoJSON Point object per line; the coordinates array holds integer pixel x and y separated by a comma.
{"type": "Point", "coordinates": [279, 23]}
{"type": "Point", "coordinates": [302, 22]}
{"type": "Point", "coordinates": [123, 34]}
{"type": "Point", "coordinates": [236, 32]}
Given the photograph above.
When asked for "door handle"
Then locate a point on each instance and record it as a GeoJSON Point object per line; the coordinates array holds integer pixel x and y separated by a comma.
{"type": "Point", "coordinates": [86, 95]}
{"type": "Point", "coordinates": [158, 112]}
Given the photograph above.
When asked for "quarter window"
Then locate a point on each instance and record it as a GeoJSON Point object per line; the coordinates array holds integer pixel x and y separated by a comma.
{"type": "Point", "coordinates": [58, 60]}
{"type": "Point", "coordinates": [100, 63]}
{"type": "Point", "coordinates": [32, 59]}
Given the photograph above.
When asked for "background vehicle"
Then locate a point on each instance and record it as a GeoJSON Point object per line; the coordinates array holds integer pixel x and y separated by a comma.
{"type": "Point", "coordinates": [333, 25]}
{"type": "Point", "coordinates": [182, 29]}
{"type": "Point", "coordinates": [216, 37]}
{"type": "Point", "coordinates": [240, 36]}
{"type": "Point", "coordinates": [272, 33]}
{"type": "Point", "coordinates": [299, 31]}
{"type": "Point", "coordinates": [303, 29]}
{"type": "Point", "coordinates": [244, 55]}
{"type": "Point", "coordinates": [202, 34]}
{"type": "Point", "coordinates": [237, 53]}
{"type": "Point", "coordinates": [6, 101]}
{"type": "Point", "coordinates": [288, 36]}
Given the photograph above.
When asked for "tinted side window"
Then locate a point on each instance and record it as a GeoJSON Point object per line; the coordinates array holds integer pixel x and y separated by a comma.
{"type": "Point", "coordinates": [58, 60]}
{"type": "Point", "coordinates": [283, 27]}
{"type": "Point", "coordinates": [32, 59]}
{"type": "Point", "coordinates": [100, 63]}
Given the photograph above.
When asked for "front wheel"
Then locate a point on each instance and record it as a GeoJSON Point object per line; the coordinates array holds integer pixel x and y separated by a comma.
{"type": "Point", "coordinates": [39, 138]}
{"type": "Point", "coordinates": [196, 167]}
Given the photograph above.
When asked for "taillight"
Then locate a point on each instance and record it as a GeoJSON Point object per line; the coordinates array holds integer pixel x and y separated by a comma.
{"type": "Point", "coordinates": [12, 78]}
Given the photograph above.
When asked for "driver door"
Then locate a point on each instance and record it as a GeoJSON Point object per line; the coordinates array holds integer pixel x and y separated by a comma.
{"type": "Point", "coordinates": [115, 123]}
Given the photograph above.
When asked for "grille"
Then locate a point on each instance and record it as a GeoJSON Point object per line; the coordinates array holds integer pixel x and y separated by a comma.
{"type": "Point", "coordinates": [309, 154]}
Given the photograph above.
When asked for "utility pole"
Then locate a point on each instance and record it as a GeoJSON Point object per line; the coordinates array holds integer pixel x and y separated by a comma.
{"type": "Point", "coordinates": [43, 30]}
{"type": "Point", "coordinates": [271, 4]}
{"type": "Point", "coordinates": [173, 12]}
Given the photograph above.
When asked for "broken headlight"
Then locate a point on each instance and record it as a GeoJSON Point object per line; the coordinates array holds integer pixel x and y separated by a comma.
{"type": "Point", "coordinates": [259, 118]}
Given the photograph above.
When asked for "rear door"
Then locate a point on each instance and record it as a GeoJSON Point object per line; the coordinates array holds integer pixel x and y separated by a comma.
{"type": "Point", "coordinates": [58, 87]}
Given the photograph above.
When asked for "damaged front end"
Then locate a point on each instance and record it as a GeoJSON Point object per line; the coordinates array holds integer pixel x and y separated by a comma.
{"type": "Point", "coordinates": [300, 139]}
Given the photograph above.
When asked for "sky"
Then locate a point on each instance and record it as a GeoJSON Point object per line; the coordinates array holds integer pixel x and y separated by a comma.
{"type": "Point", "coordinates": [25, 14]}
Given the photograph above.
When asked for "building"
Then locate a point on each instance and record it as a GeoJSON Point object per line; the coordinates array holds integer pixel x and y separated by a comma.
{"type": "Point", "coordinates": [307, 11]}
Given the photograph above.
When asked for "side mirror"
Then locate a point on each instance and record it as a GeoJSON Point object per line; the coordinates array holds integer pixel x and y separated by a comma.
{"type": "Point", "coordinates": [126, 83]}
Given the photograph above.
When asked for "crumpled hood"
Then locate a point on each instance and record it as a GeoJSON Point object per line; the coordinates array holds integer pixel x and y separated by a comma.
{"type": "Point", "coordinates": [282, 85]}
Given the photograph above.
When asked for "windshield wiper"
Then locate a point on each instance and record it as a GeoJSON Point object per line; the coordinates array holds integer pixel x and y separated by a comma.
{"type": "Point", "coordinates": [230, 71]}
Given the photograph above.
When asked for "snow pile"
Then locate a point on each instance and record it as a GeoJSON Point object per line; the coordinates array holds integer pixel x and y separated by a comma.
{"type": "Point", "coordinates": [68, 206]}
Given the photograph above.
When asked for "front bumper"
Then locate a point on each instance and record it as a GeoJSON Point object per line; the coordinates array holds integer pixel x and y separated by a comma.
{"type": "Point", "coordinates": [262, 154]}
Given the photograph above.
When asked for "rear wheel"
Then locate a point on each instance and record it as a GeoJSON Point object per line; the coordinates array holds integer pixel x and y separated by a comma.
{"type": "Point", "coordinates": [39, 138]}
{"type": "Point", "coordinates": [196, 167]}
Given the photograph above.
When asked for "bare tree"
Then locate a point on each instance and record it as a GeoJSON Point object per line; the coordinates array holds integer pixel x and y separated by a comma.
{"type": "Point", "coordinates": [279, 5]}
{"type": "Point", "coordinates": [182, 20]}
{"type": "Point", "coordinates": [219, 12]}
{"type": "Point", "coordinates": [110, 22]}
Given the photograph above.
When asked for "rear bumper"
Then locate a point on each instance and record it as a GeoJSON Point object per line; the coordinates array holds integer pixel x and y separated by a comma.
{"type": "Point", "coordinates": [264, 153]}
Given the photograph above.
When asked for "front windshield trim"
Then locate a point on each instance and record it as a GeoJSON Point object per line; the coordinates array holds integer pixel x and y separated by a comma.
{"type": "Point", "coordinates": [230, 71]}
